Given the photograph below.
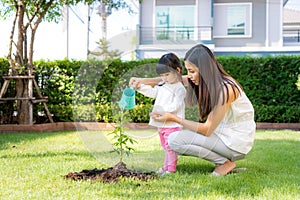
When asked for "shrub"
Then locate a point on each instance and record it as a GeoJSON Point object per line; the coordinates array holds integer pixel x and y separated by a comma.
{"type": "Point", "coordinates": [84, 91]}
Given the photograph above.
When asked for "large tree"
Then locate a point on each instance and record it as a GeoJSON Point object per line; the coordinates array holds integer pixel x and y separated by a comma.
{"type": "Point", "coordinates": [27, 16]}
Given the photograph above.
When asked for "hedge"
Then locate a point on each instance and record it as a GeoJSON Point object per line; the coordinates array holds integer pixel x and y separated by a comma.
{"type": "Point", "coordinates": [89, 90]}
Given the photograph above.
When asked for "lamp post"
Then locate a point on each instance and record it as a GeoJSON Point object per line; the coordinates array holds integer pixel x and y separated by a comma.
{"type": "Point", "coordinates": [104, 10]}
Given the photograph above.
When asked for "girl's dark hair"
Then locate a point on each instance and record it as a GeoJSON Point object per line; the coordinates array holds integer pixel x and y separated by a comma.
{"type": "Point", "coordinates": [167, 63]}
{"type": "Point", "coordinates": [213, 81]}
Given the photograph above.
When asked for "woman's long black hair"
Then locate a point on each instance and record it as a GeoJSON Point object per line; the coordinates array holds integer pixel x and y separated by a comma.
{"type": "Point", "coordinates": [212, 79]}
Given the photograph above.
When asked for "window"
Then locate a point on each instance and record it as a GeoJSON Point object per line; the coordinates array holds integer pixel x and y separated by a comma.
{"type": "Point", "coordinates": [233, 20]}
{"type": "Point", "coordinates": [175, 22]}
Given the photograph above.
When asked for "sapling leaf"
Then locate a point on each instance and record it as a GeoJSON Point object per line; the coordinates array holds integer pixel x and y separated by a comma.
{"type": "Point", "coordinates": [121, 139]}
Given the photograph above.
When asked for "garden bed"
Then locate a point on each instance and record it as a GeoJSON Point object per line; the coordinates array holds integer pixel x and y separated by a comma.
{"type": "Point", "coordinates": [111, 175]}
{"type": "Point", "coordinates": [69, 126]}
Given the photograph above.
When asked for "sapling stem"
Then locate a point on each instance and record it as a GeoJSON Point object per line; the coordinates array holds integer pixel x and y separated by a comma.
{"type": "Point", "coordinates": [121, 140]}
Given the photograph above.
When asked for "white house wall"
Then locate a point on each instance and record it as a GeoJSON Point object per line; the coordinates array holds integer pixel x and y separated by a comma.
{"type": "Point", "coordinates": [266, 30]}
{"type": "Point", "coordinates": [266, 25]}
{"type": "Point", "coordinates": [147, 10]}
{"type": "Point", "coordinates": [174, 2]}
{"type": "Point", "coordinates": [151, 48]}
{"type": "Point", "coordinates": [275, 23]}
{"type": "Point", "coordinates": [256, 39]}
{"type": "Point", "coordinates": [204, 13]}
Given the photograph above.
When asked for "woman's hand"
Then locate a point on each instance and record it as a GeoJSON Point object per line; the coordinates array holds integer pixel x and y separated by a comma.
{"type": "Point", "coordinates": [162, 116]}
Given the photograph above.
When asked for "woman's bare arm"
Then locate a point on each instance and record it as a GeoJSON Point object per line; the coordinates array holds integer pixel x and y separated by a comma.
{"type": "Point", "coordinates": [136, 82]}
{"type": "Point", "coordinates": [214, 118]}
{"type": "Point", "coordinates": [206, 128]}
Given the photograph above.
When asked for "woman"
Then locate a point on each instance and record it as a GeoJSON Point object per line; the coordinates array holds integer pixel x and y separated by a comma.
{"type": "Point", "coordinates": [228, 128]}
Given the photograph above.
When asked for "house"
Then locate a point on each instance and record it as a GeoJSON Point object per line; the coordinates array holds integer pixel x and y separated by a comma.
{"type": "Point", "coordinates": [291, 27]}
{"type": "Point", "coordinates": [227, 27]}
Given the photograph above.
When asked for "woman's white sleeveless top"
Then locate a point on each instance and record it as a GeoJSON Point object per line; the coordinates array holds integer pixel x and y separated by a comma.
{"type": "Point", "coordinates": [237, 129]}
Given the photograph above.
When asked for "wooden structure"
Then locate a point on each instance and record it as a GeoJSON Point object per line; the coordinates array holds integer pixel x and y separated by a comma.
{"type": "Point", "coordinates": [31, 100]}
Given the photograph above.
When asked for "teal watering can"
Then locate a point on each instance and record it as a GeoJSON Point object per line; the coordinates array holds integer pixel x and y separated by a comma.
{"type": "Point", "coordinates": [127, 101]}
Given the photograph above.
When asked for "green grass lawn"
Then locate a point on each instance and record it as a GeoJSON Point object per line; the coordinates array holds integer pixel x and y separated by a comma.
{"type": "Point", "coordinates": [32, 166]}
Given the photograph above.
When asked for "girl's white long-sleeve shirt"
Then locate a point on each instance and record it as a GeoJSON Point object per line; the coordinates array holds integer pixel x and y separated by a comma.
{"type": "Point", "coordinates": [168, 98]}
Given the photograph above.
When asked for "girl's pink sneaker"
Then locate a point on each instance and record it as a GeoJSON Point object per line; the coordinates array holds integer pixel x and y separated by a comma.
{"type": "Point", "coordinates": [161, 171]}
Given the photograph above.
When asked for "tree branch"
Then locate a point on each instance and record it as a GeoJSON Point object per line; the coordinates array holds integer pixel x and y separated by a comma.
{"type": "Point", "coordinates": [34, 28]}
{"type": "Point", "coordinates": [20, 46]}
{"type": "Point", "coordinates": [30, 19]}
{"type": "Point", "coordinates": [11, 40]}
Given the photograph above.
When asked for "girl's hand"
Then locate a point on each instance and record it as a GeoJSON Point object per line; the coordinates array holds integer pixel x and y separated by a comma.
{"type": "Point", "coordinates": [161, 116]}
{"type": "Point", "coordinates": [135, 82]}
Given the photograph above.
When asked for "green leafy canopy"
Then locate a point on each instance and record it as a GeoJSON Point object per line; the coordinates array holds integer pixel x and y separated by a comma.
{"type": "Point", "coordinates": [54, 13]}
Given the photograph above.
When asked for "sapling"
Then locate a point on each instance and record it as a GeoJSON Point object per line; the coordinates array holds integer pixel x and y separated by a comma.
{"type": "Point", "coordinates": [122, 141]}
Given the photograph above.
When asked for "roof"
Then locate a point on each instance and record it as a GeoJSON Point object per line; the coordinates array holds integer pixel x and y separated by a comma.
{"type": "Point", "coordinates": [291, 16]}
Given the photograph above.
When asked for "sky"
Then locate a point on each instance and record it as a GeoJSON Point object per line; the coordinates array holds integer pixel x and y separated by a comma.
{"type": "Point", "coordinates": [51, 38]}
{"type": "Point", "coordinates": [293, 4]}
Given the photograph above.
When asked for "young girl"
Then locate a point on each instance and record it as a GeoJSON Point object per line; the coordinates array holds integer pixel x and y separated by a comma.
{"type": "Point", "coordinates": [169, 96]}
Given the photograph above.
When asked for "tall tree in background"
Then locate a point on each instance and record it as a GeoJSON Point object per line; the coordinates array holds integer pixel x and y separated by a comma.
{"type": "Point", "coordinates": [102, 52]}
{"type": "Point", "coordinates": [27, 16]}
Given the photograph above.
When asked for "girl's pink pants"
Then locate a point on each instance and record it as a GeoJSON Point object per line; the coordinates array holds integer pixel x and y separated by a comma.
{"type": "Point", "coordinates": [170, 155]}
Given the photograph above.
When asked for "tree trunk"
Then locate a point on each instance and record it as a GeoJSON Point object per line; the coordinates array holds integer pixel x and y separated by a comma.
{"type": "Point", "coordinates": [23, 105]}
{"type": "Point", "coordinates": [21, 63]}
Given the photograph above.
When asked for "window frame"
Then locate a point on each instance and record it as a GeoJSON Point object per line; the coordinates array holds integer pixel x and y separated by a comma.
{"type": "Point", "coordinates": [248, 21]}
{"type": "Point", "coordinates": [176, 28]}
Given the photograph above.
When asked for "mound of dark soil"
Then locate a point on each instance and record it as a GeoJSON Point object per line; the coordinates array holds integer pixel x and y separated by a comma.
{"type": "Point", "coordinates": [111, 175]}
